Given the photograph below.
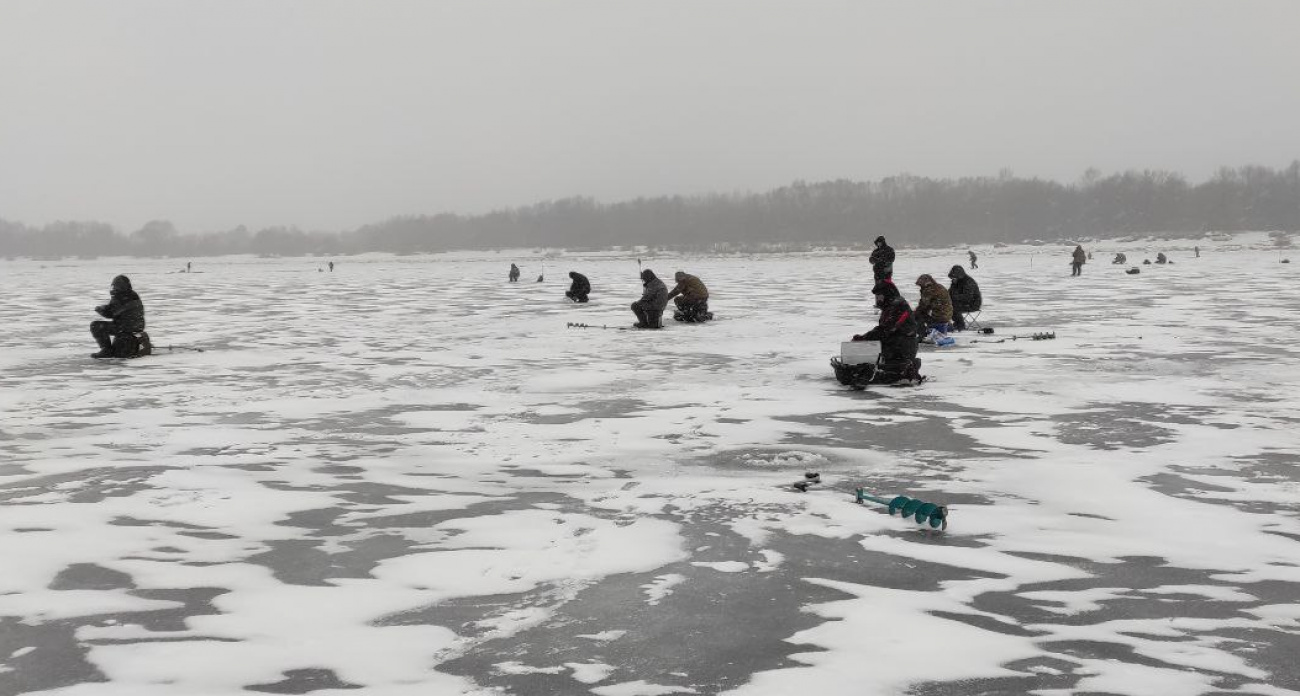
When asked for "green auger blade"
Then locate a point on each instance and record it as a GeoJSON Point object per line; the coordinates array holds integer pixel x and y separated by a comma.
{"type": "Point", "coordinates": [919, 510]}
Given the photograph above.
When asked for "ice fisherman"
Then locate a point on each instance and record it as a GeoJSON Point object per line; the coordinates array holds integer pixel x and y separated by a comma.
{"type": "Point", "coordinates": [965, 295]}
{"type": "Point", "coordinates": [882, 260]}
{"type": "Point", "coordinates": [934, 309]}
{"type": "Point", "coordinates": [1120, 259]}
{"type": "Point", "coordinates": [692, 298]}
{"type": "Point", "coordinates": [1161, 258]}
{"type": "Point", "coordinates": [971, 254]}
{"type": "Point", "coordinates": [896, 331]}
{"type": "Point", "coordinates": [1080, 258]}
{"type": "Point", "coordinates": [649, 309]}
{"type": "Point", "coordinates": [122, 336]}
{"type": "Point", "coordinates": [514, 273]}
{"type": "Point", "coordinates": [579, 289]}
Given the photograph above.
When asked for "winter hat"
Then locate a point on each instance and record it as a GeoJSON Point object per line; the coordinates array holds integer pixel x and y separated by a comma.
{"type": "Point", "coordinates": [885, 288]}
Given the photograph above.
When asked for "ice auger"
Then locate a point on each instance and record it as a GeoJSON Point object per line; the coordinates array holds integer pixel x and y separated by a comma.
{"type": "Point", "coordinates": [921, 511]}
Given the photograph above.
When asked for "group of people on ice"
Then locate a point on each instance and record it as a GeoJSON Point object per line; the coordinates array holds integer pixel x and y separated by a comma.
{"type": "Point", "coordinates": [900, 329]}
{"type": "Point", "coordinates": [690, 295]}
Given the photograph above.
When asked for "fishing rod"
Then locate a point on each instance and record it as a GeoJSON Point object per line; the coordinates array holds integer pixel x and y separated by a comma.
{"type": "Point", "coordinates": [1041, 336]}
{"type": "Point", "coordinates": [579, 325]}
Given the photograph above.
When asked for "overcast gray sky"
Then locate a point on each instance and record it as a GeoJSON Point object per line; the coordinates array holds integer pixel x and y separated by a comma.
{"type": "Point", "coordinates": [328, 115]}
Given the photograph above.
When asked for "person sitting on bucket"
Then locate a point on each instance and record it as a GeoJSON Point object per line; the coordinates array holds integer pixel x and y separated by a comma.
{"type": "Point", "coordinates": [692, 298]}
{"type": "Point", "coordinates": [896, 331]}
{"type": "Point", "coordinates": [579, 288]}
{"type": "Point", "coordinates": [125, 314]}
{"type": "Point", "coordinates": [934, 310]}
{"type": "Point", "coordinates": [649, 309]}
{"type": "Point", "coordinates": [965, 295]}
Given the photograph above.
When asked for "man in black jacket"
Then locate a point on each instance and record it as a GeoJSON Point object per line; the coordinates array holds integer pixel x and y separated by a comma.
{"type": "Point", "coordinates": [125, 312]}
{"type": "Point", "coordinates": [649, 309]}
{"type": "Point", "coordinates": [896, 332]}
{"type": "Point", "coordinates": [965, 294]}
{"type": "Point", "coordinates": [882, 260]}
{"type": "Point", "coordinates": [579, 288]}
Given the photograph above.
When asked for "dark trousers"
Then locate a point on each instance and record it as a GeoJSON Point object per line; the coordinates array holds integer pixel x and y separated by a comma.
{"type": "Point", "coordinates": [691, 311]}
{"type": "Point", "coordinates": [120, 344]}
{"type": "Point", "coordinates": [576, 296]}
{"type": "Point", "coordinates": [103, 331]}
{"type": "Point", "coordinates": [885, 272]}
{"type": "Point", "coordinates": [1076, 268]}
{"type": "Point", "coordinates": [648, 315]}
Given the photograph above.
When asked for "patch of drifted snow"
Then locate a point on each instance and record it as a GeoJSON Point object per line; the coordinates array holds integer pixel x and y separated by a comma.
{"type": "Point", "coordinates": [661, 587]}
{"type": "Point", "coordinates": [603, 635]}
{"type": "Point", "coordinates": [723, 566]}
{"type": "Point", "coordinates": [590, 672]}
{"type": "Point", "coordinates": [641, 688]}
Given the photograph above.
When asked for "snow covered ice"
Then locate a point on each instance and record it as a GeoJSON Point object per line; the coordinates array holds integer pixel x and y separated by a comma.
{"type": "Point", "coordinates": [409, 476]}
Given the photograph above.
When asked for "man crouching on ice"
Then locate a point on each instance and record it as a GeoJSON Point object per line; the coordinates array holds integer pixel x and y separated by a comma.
{"type": "Point", "coordinates": [125, 312]}
{"type": "Point", "coordinates": [896, 332]}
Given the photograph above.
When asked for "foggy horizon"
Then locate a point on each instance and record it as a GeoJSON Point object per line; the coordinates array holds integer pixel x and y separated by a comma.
{"type": "Point", "coordinates": [332, 115]}
{"type": "Point", "coordinates": [689, 196]}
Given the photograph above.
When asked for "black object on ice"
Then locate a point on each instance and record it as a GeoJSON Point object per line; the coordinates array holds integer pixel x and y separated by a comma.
{"type": "Point", "coordinates": [921, 511]}
{"type": "Point", "coordinates": [810, 478]}
{"type": "Point", "coordinates": [864, 375]}
{"type": "Point", "coordinates": [1133, 271]}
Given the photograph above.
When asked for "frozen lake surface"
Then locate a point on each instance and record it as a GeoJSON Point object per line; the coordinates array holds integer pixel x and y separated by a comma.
{"type": "Point", "coordinates": [409, 477]}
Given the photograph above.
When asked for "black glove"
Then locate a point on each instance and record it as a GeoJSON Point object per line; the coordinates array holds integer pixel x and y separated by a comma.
{"type": "Point", "coordinates": [102, 310]}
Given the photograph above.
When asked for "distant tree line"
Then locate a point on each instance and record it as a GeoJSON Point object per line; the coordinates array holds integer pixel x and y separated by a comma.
{"type": "Point", "coordinates": [906, 209]}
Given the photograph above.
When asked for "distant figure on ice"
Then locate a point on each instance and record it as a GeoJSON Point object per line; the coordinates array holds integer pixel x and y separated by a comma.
{"type": "Point", "coordinates": [965, 295]}
{"type": "Point", "coordinates": [1080, 258]}
{"type": "Point", "coordinates": [514, 273]}
{"type": "Point", "coordinates": [189, 266]}
{"type": "Point", "coordinates": [896, 331]}
{"type": "Point", "coordinates": [934, 309]}
{"type": "Point", "coordinates": [882, 260]}
{"type": "Point", "coordinates": [1119, 258]}
{"type": "Point", "coordinates": [331, 266]}
{"type": "Point", "coordinates": [1197, 249]}
{"type": "Point", "coordinates": [579, 288]}
{"type": "Point", "coordinates": [971, 254]}
{"type": "Point", "coordinates": [692, 299]}
{"type": "Point", "coordinates": [122, 336]}
{"type": "Point", "coordinates": [649, 310]}
{"type": "Point", "coordinates": [1161, 258]}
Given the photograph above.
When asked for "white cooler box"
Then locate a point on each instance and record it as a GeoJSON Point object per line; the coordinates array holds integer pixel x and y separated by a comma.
{"type": "Point", "coordinates": [859, 352]}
